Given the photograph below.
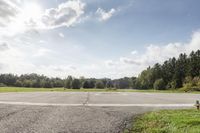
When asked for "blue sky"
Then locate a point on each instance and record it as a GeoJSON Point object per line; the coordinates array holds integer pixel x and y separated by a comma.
{"type": "Point", "coordinates": [94, 38]}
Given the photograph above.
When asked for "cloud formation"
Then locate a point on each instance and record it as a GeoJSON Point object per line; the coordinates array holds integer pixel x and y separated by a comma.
{"type": "Point", "coordinates": [105, 15]}
{"type": "Point", "coordinates": [8, 11]}
{"type": "Point", "coordinates": [129, 61]}
{"type": "Point", "coordinates": [65, 15]}
{"type": "Point", "coordinates": [15, 19]}
{"type": "Point", "coordinates": [61, 35]}
{"type": "Point", "coordinates": [158, 54]}
{"type": "Point", "coordinates": [110, 63]}
{"type": "Point", "coordinates": [134, 52]}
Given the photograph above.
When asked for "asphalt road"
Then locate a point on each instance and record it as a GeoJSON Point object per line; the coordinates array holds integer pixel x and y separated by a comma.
{"type": "Point", "coordinates": [81, 112]}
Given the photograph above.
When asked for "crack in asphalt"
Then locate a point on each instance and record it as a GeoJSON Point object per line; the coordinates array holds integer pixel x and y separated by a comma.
{"type": "Point", "coordinates": [85, 103]}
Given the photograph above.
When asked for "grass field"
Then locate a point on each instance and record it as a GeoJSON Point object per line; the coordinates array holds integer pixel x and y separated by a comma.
{"type": "Point", "coordinates": [168, 121]}
{"type": "Point", "coordinates": [24, 89]}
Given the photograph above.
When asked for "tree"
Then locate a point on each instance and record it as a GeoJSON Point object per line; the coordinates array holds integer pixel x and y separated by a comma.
{"type": "Point", "coordinates": [68, 82]}
{"type": "Point", "coordinates": [145, 79]}
{"type": "Point", "coordinates": [92, 83]}
{"type": "Point", "coordinates": [159, 84]}
{"type": "Point", "coordinates": [86, 84]}
{"type": "Point", "coordinates": [27, 83]}
{"type": "Point", "coordinates": [46, 83]}
{"type": "Point", "coordinates": [133, 83]}
{"type": "Point", "coordinates": [82, 80]}
{"type": "Point", "coordinates": [35, 83]}
{"type": "Point", "coordinates": [180, 70]}
{"type": "Point", "coordinates": [57, 82]}
{"type": "Point", "coordinates": [18, 83]}
{"type": "Point", "coordinates": [109, 84]}
{"type": "Point", "coordinates": [99, 85]}
{"type": "Point", "coordinates": [76, 84]}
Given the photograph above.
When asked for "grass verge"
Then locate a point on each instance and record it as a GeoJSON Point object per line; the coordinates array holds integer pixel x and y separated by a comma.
{"type": "Point", "coordinates": [24, 89]}
{"type": "Point", "coordinates": [168, 121]}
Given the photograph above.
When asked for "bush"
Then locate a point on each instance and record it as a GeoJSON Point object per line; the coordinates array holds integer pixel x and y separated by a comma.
{"type": "Point", "coordinates": [168, 86]}
{"type": "Point", "coordinates": [159, 84]}
{"type": "Point", "coordinates": [188, 79]}
{"type": "Point", "coordinates": [191, 84]}
{"type": "Point", "coordinates": [196, 88]}
{"type": "Point", "coordinates": [173, 85]}
{"type": "Point", "coordinates": [195, 81]}
{"type": "Point", "coordinates": [187, 87]}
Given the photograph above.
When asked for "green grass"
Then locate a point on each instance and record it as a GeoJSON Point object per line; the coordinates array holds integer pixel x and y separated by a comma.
{"type": "Point", "coordinates": [24, 89]}
{"type": "Point", "coordinates": [168, 121]}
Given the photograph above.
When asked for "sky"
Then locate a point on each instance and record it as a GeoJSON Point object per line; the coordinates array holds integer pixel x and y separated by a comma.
{"type": "Point", "coordinates": [95, 38]}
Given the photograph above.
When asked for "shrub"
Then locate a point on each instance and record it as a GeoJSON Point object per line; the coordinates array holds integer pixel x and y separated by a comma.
{"type": "Point", "coordinates": [195, 81]}
{"type": "Point", "coordinates": [187, 87]}
{"type": "Point", "coordinates": [159, 84]}
{"type": "Point", "coordinates": [168, 86]}
{"type": "Point", "coordinates": [188, 79]}
{"type": "Point", "coordinates": [196, 88]}
{"type": "Point", "coordinates": [173, 85]}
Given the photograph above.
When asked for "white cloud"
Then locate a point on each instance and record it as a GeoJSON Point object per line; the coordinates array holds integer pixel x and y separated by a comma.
{"type": "Point", "coordinates": [103, 15]}
{"type": "Point", "coordinates": [129, 61]}
{"type": "Point", "coordinates": [66, 14]}
{"type": "Point", "coordinates": [61, 35]}
{"type": "Point", "coordinates": [153, 54]}
{"type": "Point", "coordinates": [134, 52]}
{"type": "Point", "coordinates": [15, 19]}
{"type": "Point", "coordinates": [8, 11]}
{"type": "Point", "coordinates": [110, 63]}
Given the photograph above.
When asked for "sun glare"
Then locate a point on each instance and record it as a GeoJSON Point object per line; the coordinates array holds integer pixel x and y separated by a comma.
{"type": "Point", "coordinates": [32, 11]}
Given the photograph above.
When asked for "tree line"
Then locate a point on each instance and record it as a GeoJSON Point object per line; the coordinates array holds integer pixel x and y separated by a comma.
{"type": "Point", "coordinates": [174, 73]}
{"type": "Point", "coordinates": [41, 81]}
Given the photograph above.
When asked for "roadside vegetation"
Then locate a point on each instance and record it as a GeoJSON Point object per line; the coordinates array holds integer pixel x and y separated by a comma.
{"type": "Point", "coordinates": [25, 89]}
{"type": "Point", "coordinates": [167, 121]}
{"type": "Point", "coordinates": [28, 89]}
{"type": "Point", "coordinates": [173, 74]}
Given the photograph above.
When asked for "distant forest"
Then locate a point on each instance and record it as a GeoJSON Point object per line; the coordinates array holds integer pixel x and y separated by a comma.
{"type": "Point", "coordinates": [182, 72]}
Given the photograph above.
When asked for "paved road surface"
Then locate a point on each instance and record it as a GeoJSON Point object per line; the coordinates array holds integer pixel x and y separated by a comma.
{"type": "Point", "coordinates": [81, 112]}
